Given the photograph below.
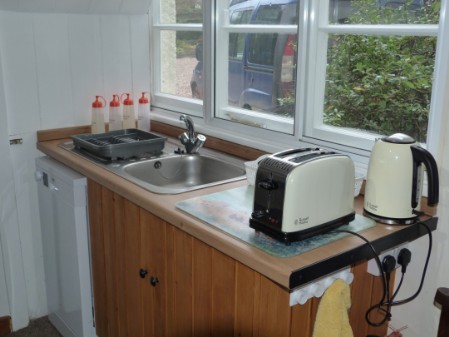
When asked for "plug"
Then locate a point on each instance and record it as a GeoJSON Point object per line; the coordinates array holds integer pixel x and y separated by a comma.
{"type": "Point", "coordinates": [404, 258]}
{"type": "Point", "coordinates": [388, 264]}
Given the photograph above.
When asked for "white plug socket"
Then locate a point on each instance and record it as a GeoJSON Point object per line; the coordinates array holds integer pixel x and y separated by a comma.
{"type": "Point", "coordinates": [373, 269]}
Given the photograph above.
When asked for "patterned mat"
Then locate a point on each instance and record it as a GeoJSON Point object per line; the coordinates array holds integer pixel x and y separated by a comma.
{"type": "Point", "coordinates": [230, 211]}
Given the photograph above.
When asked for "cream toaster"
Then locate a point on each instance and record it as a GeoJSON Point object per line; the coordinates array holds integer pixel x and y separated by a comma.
{"type": "Point", "coordinates": [303, 192]}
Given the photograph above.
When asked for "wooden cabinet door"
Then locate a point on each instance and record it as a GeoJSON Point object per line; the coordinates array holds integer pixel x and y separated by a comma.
{"type": "Point", "coordinates": [129, 267]}
{"type": "Point", "coordinates": [152, 279]}
{"type": "Point", "coordinates": [115, 240]}
{"type": "Point", "coordinates": [154, 236]}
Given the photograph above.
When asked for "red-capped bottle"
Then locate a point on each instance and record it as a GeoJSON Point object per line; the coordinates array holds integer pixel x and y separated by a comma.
{"type": "Point", "coordinates": [143, 113]}
{"type": "Point", "coordinates": [129, 117]}
{"type": "Point", "coordinates": [98, 107]}
{"type": "Point", "coordinates": [115, 114]}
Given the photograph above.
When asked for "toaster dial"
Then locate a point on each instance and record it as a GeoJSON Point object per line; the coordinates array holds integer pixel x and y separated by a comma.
{"type": "Point", "coordinates": [258, 214]}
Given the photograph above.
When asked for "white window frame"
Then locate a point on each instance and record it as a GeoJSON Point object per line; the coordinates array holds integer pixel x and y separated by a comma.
{"type": "Point", "coordinates": [314, 129]}
{"type": "Point", "coordinates": [160, 99]}
{"type": "Point", "coordinates": [356, 144]}
{"type": "Point", "coordinates": [277, 123]}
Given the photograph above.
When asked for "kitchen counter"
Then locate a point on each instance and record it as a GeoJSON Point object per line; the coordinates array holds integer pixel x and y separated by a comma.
{"type": "Point", "coordinates": [288, 272]}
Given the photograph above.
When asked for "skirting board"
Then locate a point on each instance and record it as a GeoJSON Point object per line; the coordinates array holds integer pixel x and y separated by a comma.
{"type": "Point", "coordinates": [5, 326]}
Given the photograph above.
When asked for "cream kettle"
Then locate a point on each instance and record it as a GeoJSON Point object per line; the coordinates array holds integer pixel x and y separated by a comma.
{"type": "Point", "coordinates": [395, 177]}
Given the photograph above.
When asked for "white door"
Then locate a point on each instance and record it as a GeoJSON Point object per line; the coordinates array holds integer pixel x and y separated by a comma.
{"type": "Point", "coordinates": [4, 302]}
{"type": "Point", "coordinates": [13, 294]}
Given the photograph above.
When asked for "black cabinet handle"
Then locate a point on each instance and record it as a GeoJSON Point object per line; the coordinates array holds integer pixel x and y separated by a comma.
{"type": "Point", "coordinates": [154, 281]}
{"type": "Point", "coordinates": [143, 273]}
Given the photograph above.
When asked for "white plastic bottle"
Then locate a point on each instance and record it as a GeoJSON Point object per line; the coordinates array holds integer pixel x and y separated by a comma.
{"type": "Point", "coordinates": [143, 113]}
{"type": "Point", "coordinates": [129, 118]}
{"type": "Point", "coordinates": [98, 107]}
{"type": "Point", "coordinates": [115, 114]}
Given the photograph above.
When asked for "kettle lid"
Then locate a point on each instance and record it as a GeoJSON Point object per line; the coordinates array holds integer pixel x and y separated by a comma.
{"type": "Point", "coordinates": [399, 138]}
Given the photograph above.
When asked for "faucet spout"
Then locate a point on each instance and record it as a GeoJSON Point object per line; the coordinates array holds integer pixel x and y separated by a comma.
{"type": "Point", "coordinates": [189, 125]}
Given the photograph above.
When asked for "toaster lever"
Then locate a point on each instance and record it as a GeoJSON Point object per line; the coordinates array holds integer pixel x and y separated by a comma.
{"type": "Point", "coordinates": [267, 185]}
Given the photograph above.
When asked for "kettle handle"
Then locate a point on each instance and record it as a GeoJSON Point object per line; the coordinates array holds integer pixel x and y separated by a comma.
{"type": "Point", "coordinates": [421, 155]}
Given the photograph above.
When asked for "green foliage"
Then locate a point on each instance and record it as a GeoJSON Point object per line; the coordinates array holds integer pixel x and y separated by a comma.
{"type": "Point", "coordinates": [188, 11]}
{"type": "Point", "coordinates": [382, 84]}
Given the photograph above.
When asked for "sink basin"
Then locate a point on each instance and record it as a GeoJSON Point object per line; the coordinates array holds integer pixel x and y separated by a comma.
{"type": "Point", "coordinates": [181, 173]}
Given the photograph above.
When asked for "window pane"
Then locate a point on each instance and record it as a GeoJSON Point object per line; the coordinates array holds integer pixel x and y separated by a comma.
{"type": "Point", "coordinates": [181, 11]}
{"type": "Point", "coordinates": [261, 65]}
{"type": "Point", "coordinates": [384, 11]}
{"type": "Point", "coordinates": [241, 16]}
{"type": "Point", "coordinates": [380, 84]}
{"type": "Point", "coordinates": [251, 12]}
{"type": "Point", "coordinates": [181, 60]}
{"type": "Point", "coordinates": [262, 72]}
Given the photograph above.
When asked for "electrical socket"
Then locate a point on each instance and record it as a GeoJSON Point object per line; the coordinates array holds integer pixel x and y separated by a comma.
{"type": "Point", "coordinates": [373, 269]}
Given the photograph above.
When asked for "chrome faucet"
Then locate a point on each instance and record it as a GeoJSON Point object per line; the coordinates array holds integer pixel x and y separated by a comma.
{"type": "Point", "coordinates": [192, 142]}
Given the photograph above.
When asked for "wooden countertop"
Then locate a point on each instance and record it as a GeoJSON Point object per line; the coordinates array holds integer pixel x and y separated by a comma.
{"type": "Point", "coordinates": [287, 272]}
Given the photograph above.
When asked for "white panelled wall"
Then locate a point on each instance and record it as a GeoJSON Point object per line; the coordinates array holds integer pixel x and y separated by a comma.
{"type": "Point", "coordinates": [53, 66]}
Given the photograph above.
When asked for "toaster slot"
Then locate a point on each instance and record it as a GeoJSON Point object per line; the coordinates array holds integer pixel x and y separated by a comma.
{"type": "Point", "coordinates": [310, 156]}
{"type": "Point", "coordinates": [288, 153]}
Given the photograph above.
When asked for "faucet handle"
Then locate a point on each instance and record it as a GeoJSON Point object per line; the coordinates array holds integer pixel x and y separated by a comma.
{"type": "Point", "coordinates": [184, 138]}
{"type": "Point", "coordinates": [199, 142]}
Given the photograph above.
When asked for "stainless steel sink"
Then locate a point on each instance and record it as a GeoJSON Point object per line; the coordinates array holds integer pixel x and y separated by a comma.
{"type": "Point", "coordinates": [170, 172]}
{"type": "Point", "coordinates": [181, 173]}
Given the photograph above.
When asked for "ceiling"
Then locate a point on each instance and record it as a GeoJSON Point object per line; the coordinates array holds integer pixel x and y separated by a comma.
{"type": "Point", "coordinates": [77, 6]}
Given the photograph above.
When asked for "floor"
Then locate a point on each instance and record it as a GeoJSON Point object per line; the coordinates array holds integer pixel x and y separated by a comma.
{"type": "Point", "coordinates": [40, 327]}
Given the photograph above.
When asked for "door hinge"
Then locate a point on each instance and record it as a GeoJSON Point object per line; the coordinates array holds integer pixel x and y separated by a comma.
{"type": "Point", "coordinates": [16, 141]}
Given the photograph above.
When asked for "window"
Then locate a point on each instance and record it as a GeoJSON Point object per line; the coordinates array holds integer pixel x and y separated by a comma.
{"type": "Point", "coordinates": [329, 72]}
{"type": "Point", "coordinates": [177, 52]}
{"type": "Point", "coordinates": [379, 58]}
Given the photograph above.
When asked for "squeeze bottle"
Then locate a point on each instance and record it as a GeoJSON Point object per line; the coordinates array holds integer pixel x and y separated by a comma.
{"type": "Point", "coordinates": [143, 113]}
{"type": "Point", "coordinates": [97, 125]}
{"type": "Point", "coordinates": [115, 114]}
{"type": "Point", "coordinates": [129, 118]}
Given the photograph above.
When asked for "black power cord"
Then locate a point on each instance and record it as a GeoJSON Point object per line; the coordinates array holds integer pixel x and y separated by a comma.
{"type": "Point", "coordinates": [386, 267]}
{"type": "Point", "coordinates": [384, 280]}
{"type": "Point", "coordinates": [426, 264]}
{"type": "Point", "coordinates": [384, 306]}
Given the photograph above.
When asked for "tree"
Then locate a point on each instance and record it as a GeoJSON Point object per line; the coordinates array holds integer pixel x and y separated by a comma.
{"type": "Point", "coordinates": [382, 83]}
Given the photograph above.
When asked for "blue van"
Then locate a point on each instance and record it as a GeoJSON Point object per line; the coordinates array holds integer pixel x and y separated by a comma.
{"type": "Point", "coordinates": [262, 66]}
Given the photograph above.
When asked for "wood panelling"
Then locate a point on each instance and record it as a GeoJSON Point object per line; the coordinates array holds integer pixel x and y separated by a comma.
{"type": "Point", "coordinates": [132, 264]}
{"type": "Point", "coordinates": [61, 133]}
{"type": "Point", "coordinates": [154, 233]}
{"type": "Point", "coordinates": [222, 297]}
{"type": "Point", "coordinates": [246, 292]}
{"type": "Point", "coordinates": [5, 326]}
{"type": "Point", "coordinates": [218, 144]}
{"type": "Point", "coordinates": [202, 287]}
{"type": "Point", "coordinates": [200, 291]}
{"type": "Point", "coordinates": [183, 284]}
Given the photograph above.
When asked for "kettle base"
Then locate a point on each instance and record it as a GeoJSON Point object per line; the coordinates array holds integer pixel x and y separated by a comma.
{"type": "Point", "coordinates": [391, 221]}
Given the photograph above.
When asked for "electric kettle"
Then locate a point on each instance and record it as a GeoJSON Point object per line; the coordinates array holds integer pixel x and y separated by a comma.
{"type": "Point", "coordinates": [395, 177]}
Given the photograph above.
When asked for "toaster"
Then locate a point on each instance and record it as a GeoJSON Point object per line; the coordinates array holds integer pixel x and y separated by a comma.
{"type": "Point", "coordinates": [303, 192]}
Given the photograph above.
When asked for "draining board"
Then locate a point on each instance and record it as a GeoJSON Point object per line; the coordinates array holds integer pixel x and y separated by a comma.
{"type": "Point", "coordinates": [120, 144]}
